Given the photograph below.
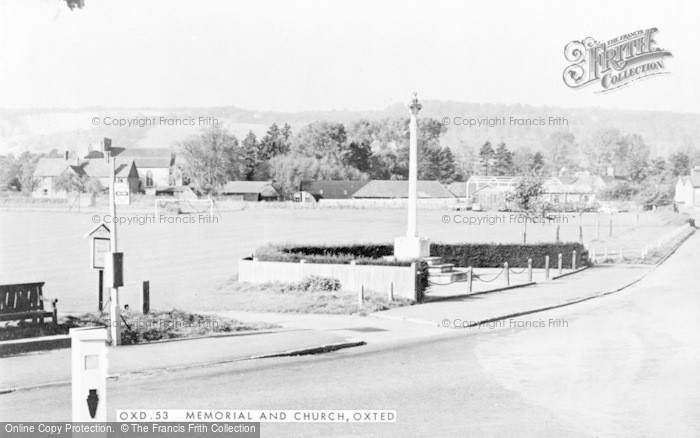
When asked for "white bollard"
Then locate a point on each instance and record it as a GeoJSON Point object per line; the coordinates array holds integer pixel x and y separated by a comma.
{"type": "Point", "coordinates": [89, 374]}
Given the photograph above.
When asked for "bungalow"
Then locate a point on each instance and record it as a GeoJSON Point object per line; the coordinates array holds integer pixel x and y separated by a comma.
{"type": "Point", "coordinates": [385, 189]}
{"type": "Point", "coordinates": [251, 191]}
{"type": "Point", "coordinates": [317, 190]}
{"type": "Point", "coordinates": [688, 189]}
{"type": "Point", "coordinates": [492, 191]}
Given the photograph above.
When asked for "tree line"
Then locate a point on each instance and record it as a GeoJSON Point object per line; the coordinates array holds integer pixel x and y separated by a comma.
{"type": "Point", "coordinates": [378, 149]}
{"type": "Point", "coordinates": [321, 150]}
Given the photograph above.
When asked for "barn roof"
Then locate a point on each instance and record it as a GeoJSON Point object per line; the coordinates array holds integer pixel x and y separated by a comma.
{"type": "Point", "coordinates": [262, 187]}
{"type": "Point", "coordinates": [399, 189]}
{"type": "Point", "coordinates": [332, 189]}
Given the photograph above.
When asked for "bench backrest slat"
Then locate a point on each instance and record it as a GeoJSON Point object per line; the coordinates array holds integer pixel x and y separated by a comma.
{"type": "Point", "coordinates": [21, 297]}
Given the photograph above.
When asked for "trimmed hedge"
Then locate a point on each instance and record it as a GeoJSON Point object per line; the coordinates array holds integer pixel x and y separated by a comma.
{"type": "Point", "coordinates": [491, 255]}
{"type": "Point", "coordinates": [361, 254]}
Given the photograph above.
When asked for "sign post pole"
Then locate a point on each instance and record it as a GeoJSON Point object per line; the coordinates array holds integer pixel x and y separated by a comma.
{"type": "Point", "coordinates": [114, 310]}
{"type": "Point", "coordinates": [100, 288]}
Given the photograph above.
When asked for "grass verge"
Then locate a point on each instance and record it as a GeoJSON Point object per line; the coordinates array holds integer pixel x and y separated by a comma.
{"type": "Point", "coordinates": [313, 295]}
{"type": "Point", "coordinates": [138, 328]}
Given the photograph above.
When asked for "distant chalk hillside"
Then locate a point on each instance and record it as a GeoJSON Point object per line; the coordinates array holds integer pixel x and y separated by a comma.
{"type": "Point", "coordinates": [73, 129]}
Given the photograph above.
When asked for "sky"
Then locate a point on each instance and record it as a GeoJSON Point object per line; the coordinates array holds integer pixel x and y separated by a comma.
{"type": "Point", "coordinates": [325, 55]}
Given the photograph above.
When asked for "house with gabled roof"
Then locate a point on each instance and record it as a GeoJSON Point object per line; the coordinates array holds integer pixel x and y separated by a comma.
{"type": "Point", "coordinates": [49, 170]}
{"type": "Point", "coordinates": [687, 192]}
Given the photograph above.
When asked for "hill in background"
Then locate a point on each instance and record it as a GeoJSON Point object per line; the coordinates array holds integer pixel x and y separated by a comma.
{"type": "Point", "coordinates": [40, 130]}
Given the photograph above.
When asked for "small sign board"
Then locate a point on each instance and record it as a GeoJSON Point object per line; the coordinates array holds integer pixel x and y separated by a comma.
{"type": "Point", "coordinates": [99, 246]}
{"type": "Point", "coordinates": [114, 271]}
{"type": "Point", "coordinates": [100, 251]}
{"type": "Point", "coordinates": [122, 194]}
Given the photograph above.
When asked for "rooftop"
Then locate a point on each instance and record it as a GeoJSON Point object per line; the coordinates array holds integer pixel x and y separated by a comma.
{"type": "Point", "coordinates": [263, 187]}
{"type": "Point", "coordinates": [332, 189]}
{"type": "Point", "coordinates": [399, 189]}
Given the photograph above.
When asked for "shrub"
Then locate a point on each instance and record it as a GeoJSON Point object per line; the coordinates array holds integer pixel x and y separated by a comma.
{"type": "Point", "coordinates": [316, 283]}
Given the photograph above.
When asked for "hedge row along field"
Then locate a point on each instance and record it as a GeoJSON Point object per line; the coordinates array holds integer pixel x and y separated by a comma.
{"type": "Point", "coordinates": [494, 255]}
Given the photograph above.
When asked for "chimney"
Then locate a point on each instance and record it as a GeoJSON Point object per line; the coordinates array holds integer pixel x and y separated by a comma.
{"type": "Point", "coordinates": [611, 171]}
{"type": "Point", "coordinates": [66, 156]}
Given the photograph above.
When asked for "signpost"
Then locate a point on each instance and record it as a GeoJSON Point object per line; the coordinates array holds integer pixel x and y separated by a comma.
{"type": "Point", "coordinates": [114, 310]}
{"type": "Point", "coordinates": [99, 250]}
{"type": "Point", "coordinates": [122, 193]}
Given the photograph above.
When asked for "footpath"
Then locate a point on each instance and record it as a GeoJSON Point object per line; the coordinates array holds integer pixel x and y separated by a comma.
{"type": "Point", "coordinates": [309, 334]}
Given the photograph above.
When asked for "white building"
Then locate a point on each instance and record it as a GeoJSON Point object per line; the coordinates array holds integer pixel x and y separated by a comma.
{"type": "Point", "coordinates": [688, 189]}
{"type": "Point", "coordinates": [153, 166]}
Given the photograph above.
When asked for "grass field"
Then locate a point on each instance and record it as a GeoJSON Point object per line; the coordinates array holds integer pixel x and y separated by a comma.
{"type": "Point", "coordinates": [186, 262]}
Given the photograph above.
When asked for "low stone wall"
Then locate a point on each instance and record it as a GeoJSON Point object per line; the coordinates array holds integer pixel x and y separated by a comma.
{"type": "Point", "coordinates": [352, 277]}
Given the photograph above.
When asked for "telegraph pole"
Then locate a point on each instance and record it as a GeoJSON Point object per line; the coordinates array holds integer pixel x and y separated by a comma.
{"type": "Point", "coordinates": [114, 310]}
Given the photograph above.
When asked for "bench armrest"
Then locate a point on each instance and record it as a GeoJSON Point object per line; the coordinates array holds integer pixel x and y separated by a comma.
{"type": "Point", "coordinates": [45, 298]}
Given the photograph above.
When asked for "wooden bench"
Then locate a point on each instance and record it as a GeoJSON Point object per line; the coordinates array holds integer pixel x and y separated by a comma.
{"type": "Point", "coordinates": [24, 301]}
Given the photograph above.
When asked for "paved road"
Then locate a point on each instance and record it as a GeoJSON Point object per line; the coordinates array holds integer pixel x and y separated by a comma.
{"type": "Point", "coordinates": [622, 365]}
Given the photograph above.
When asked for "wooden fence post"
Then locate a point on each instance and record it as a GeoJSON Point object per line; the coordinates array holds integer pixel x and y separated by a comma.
{"type": "Point", "coordinates": [361, 296]}
{"type": "Point", "coordinates": [580, 227]}
{"type": "Point", "coordinates": [507, 272]}
{"type": "Point", "coordinates": [546, 267]}
{"type": "Point", "coordinates": [391, 292]}
{"type": "Point", "coordinates": [470, 275]}
{"type": "Point", "coordinates": [529, 270]}
{"type": "Point", "coordinates": [560, 264]}
{"type": "Point", "coordinates": [557, 240]}
{"type": "Point", "coordinates": [611, 229]}
{"type": "Point", "coordinates": [146, 303]}
{"type": "Point", "coordinates": [573, 260]}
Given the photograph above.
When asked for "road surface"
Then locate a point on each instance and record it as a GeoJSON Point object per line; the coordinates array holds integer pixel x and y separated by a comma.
{"type": "Point", "coordinates": [622, 365]}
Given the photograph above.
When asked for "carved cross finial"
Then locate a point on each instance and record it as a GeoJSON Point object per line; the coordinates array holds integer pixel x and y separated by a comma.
{"type": "Point", "coordinates": [414, 105]}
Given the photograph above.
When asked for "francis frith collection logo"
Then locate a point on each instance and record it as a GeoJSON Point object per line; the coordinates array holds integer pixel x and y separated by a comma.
{"type": "Point", "coordinates": [615, 63]}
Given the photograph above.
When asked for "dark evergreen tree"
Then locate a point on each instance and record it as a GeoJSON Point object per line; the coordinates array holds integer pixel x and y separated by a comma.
{"type": "Point", "coordinates": [503, 161]}
{"type": "Point", "coordinates": [250, 154]}
{"type": "Point", "coordinates": [486, 159]}
{"type": "Point", "coordinates": [537, 162]}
